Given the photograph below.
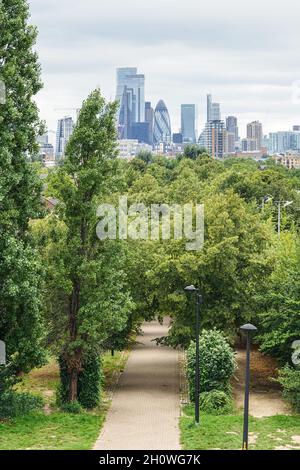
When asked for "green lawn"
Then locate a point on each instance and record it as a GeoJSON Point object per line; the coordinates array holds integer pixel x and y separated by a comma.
{"type": "Point", "coordinates": [52, 429]}
{"type": "Point", "coordinates": [225, 432]}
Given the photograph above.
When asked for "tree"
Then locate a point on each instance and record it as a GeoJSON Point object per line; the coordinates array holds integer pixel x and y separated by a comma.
{"type": "Point", "coordinates": [194, 151]}
{"type": "Point", "coordinates": [88, 299]}
{"type": "Point", "coordinates": [20, 271]}
{"type": "Point", "coordinates": [280, 305]}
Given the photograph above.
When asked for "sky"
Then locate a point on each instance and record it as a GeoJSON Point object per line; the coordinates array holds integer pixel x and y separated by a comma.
{"type": "Point", "coordinates": [246, 54]}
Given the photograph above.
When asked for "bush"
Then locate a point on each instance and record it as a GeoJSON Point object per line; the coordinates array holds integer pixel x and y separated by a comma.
{"type": "Point", "coordinates": [74, 408]}
{"type": "Point", "coordinates": [215, 402]}
{"type": "Point", "coordinates": [89, 383]}
{"type": "Point", "coordinates": [217, 363]}
{"type": "Point", "coordinates": [13, 404]}
{"type": "Point", "coordinates": [289, 378]}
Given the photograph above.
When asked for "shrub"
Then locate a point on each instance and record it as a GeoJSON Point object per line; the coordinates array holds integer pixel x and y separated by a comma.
{"type": "Point", "coordinates": [13, 404]}
{"type": "Point", "coordinates": [74, 407]}
{"type": "Point", "coordinates": [89, 383]}
{"type": "Point", "coordinates": [215, 402]}
{"type": "Point", "coordinates": [217, 363]}
{"type": "Point", "coordinates": [289, 378]}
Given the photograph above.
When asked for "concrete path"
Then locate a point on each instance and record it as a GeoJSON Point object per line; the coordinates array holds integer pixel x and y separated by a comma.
{"type": "Point", "coordinates": [145, 408]}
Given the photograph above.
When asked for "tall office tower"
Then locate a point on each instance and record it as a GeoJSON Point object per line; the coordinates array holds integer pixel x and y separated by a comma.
{"type": "Point", "coordinates": [254, 131]}
{"type": "Point", "coordinates": [215, 135]}
{"type": "Point", "coordinates": [162, 124]}
{"type": "Point", "coordinates": [208, 103]}
{"type": "Point", "coordinates": [149, 118]}
{"type": "Point", "coordinates": [230, 140]}
{"type": "Point", "coordinates": [232, 126]}
{"type": "Point", "coordinates": [65, 127]}
{"type": "Point", "coordinates": [131, 97]}
{"type": "Point", "coordinates": [296, 128]}
{"type": "Point", "coordinates": [213, 110]}
{"type": "Point", "coordinates": [188, 122]}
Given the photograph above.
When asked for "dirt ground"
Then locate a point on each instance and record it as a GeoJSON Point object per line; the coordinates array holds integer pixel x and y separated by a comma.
{"type": "Point", "coordinates": [265, 396]}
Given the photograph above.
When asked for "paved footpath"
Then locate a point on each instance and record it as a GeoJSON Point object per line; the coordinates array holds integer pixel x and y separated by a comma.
{"type": "Point", "coordinates": [145, 408]}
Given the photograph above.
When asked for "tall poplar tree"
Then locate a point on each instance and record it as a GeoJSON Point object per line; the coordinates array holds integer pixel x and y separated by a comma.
{"type": "Point", "coordinates": [20, 197]}
{"type": "Point", "coordinates": [86, 286]}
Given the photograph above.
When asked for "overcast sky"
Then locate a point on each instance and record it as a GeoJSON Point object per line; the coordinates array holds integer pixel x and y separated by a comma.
{"type": "Point", "coordinates": [247, 54]}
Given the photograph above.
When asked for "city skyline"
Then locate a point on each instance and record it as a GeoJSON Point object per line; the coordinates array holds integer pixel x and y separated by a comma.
{"type": "Point", "coordinates": [229, 61]}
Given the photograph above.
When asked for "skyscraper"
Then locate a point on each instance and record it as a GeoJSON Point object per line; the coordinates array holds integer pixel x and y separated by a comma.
{"type": "Point", "coordinates": [162, 124]}
{"type": "Point", "coordinates": [208, 111]}
{"type": "Point", "coordinates": [232, 126]}
{"type": "Point", "coordinates": [131, 97]}
{"type": "Point", "coordinates": [213, 110]}
{"type": "Point", "coordinates": [254, 131]}
{"type": "Point", "coordinates": [65, 127]}
{"type": "Point", "coordinates": [188, 122]}
{"type": "Point", "coordinates": [214, 137]}
{"type": "Point", "coordinates": [149, 118]}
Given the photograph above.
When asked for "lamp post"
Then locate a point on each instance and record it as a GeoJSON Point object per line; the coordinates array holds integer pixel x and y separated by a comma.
{"type": "Point", "coordinates": [193, 290]}
{"type": "Point", "coordinates": [281, 204]}
{"type": "Point", "coordinates": [247, 329]}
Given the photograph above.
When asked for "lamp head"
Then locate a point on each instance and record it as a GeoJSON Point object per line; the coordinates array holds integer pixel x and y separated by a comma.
{"type": "Point", "coordinates": [248, 328]}
{"type": "Point", "coordinates": [191, 289]}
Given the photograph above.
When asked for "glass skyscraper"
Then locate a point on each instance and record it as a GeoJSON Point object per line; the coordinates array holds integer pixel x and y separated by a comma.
{"type": "Point", "coordinates": [213, 110]}
{"type": "Point", "coordinates": [162, 124]}
{"type": "Point", "coordinates": [188, 122]}
{"type": "Point", "coordinates": [131, 97]}
{"type": "Point", "coordinates": [65, 127]}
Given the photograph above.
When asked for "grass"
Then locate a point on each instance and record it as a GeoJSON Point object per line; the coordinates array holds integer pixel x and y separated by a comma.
{"type": "Point", "coordinates": [225, 432]}
{"type": "Point", "coordinates": [53, 429]}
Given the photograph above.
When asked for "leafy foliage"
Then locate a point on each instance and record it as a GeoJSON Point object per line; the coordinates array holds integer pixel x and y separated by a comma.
{"type": "Point", "coordinates": [215, 402]}
{"type": "Point", "coordinates": [20, 192]}
{"type": "Point", "coordinates": [88, 301]}
{"type": "Point", "coordinates": [217, 363]}
{"type": "Point", "coordinates": [289, 378]}
{"type": "Point", "coordinates": [14, 404]}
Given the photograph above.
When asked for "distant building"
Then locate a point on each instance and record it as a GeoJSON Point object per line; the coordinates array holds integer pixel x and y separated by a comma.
{"type": "Point", "coordinates": [255, 132]}
{"type": "Point", "coordinates": [284, 141]}
{"type": "Point", "coordinates": [213, 110]}
{"type": "Point", "coordinates": [296, 128]}
{"type": "Point", "coordinates": [162, 124]}
{"type": "Point", "coordinates": [177, 138]}
{"type": "Point", "coordinates": [201, 140]}
{"type": "Point", "coordinates": [289, 160]}
{"type": "Point", "coordinates": [65, 127]}
{"type": "Point", "coordinates": [129, 148]}
{"type": "Point", "coordinates": [188, 123]}
{"type": "Point", "coordinates": [131, 97]}
{"type": "Point", "coordinates": [215, 135]}
{"type": "Point", "coordinates": [232, 126]}
{"type": "Point", "coordinates": [149, 118]}
{"type": "Point", "coordinates": [140, 131]}
{"type": "Point", "coordinates": [229, 142]}
{"type": "Point", "coordinates": [249, 145]}
{"type": "Point", "coordinates": [46, 149]}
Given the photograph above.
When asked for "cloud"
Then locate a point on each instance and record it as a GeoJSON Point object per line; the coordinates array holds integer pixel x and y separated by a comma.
{"type": "Point", "coordinates": [245, 54]}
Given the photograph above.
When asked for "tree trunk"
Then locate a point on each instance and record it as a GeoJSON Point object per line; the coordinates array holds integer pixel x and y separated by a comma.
{"type": "Point", "coordinates": [73, 393]}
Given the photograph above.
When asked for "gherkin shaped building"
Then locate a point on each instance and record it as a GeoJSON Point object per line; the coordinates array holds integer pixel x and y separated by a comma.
{"type": "Point", "coordinates": [162, 124]}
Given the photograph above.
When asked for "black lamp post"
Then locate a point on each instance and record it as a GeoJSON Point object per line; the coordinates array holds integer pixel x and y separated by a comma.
{"type": "Point", "coordinates": [194, 290]}
{"type": "Point", "coordinates": [247, 329]}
